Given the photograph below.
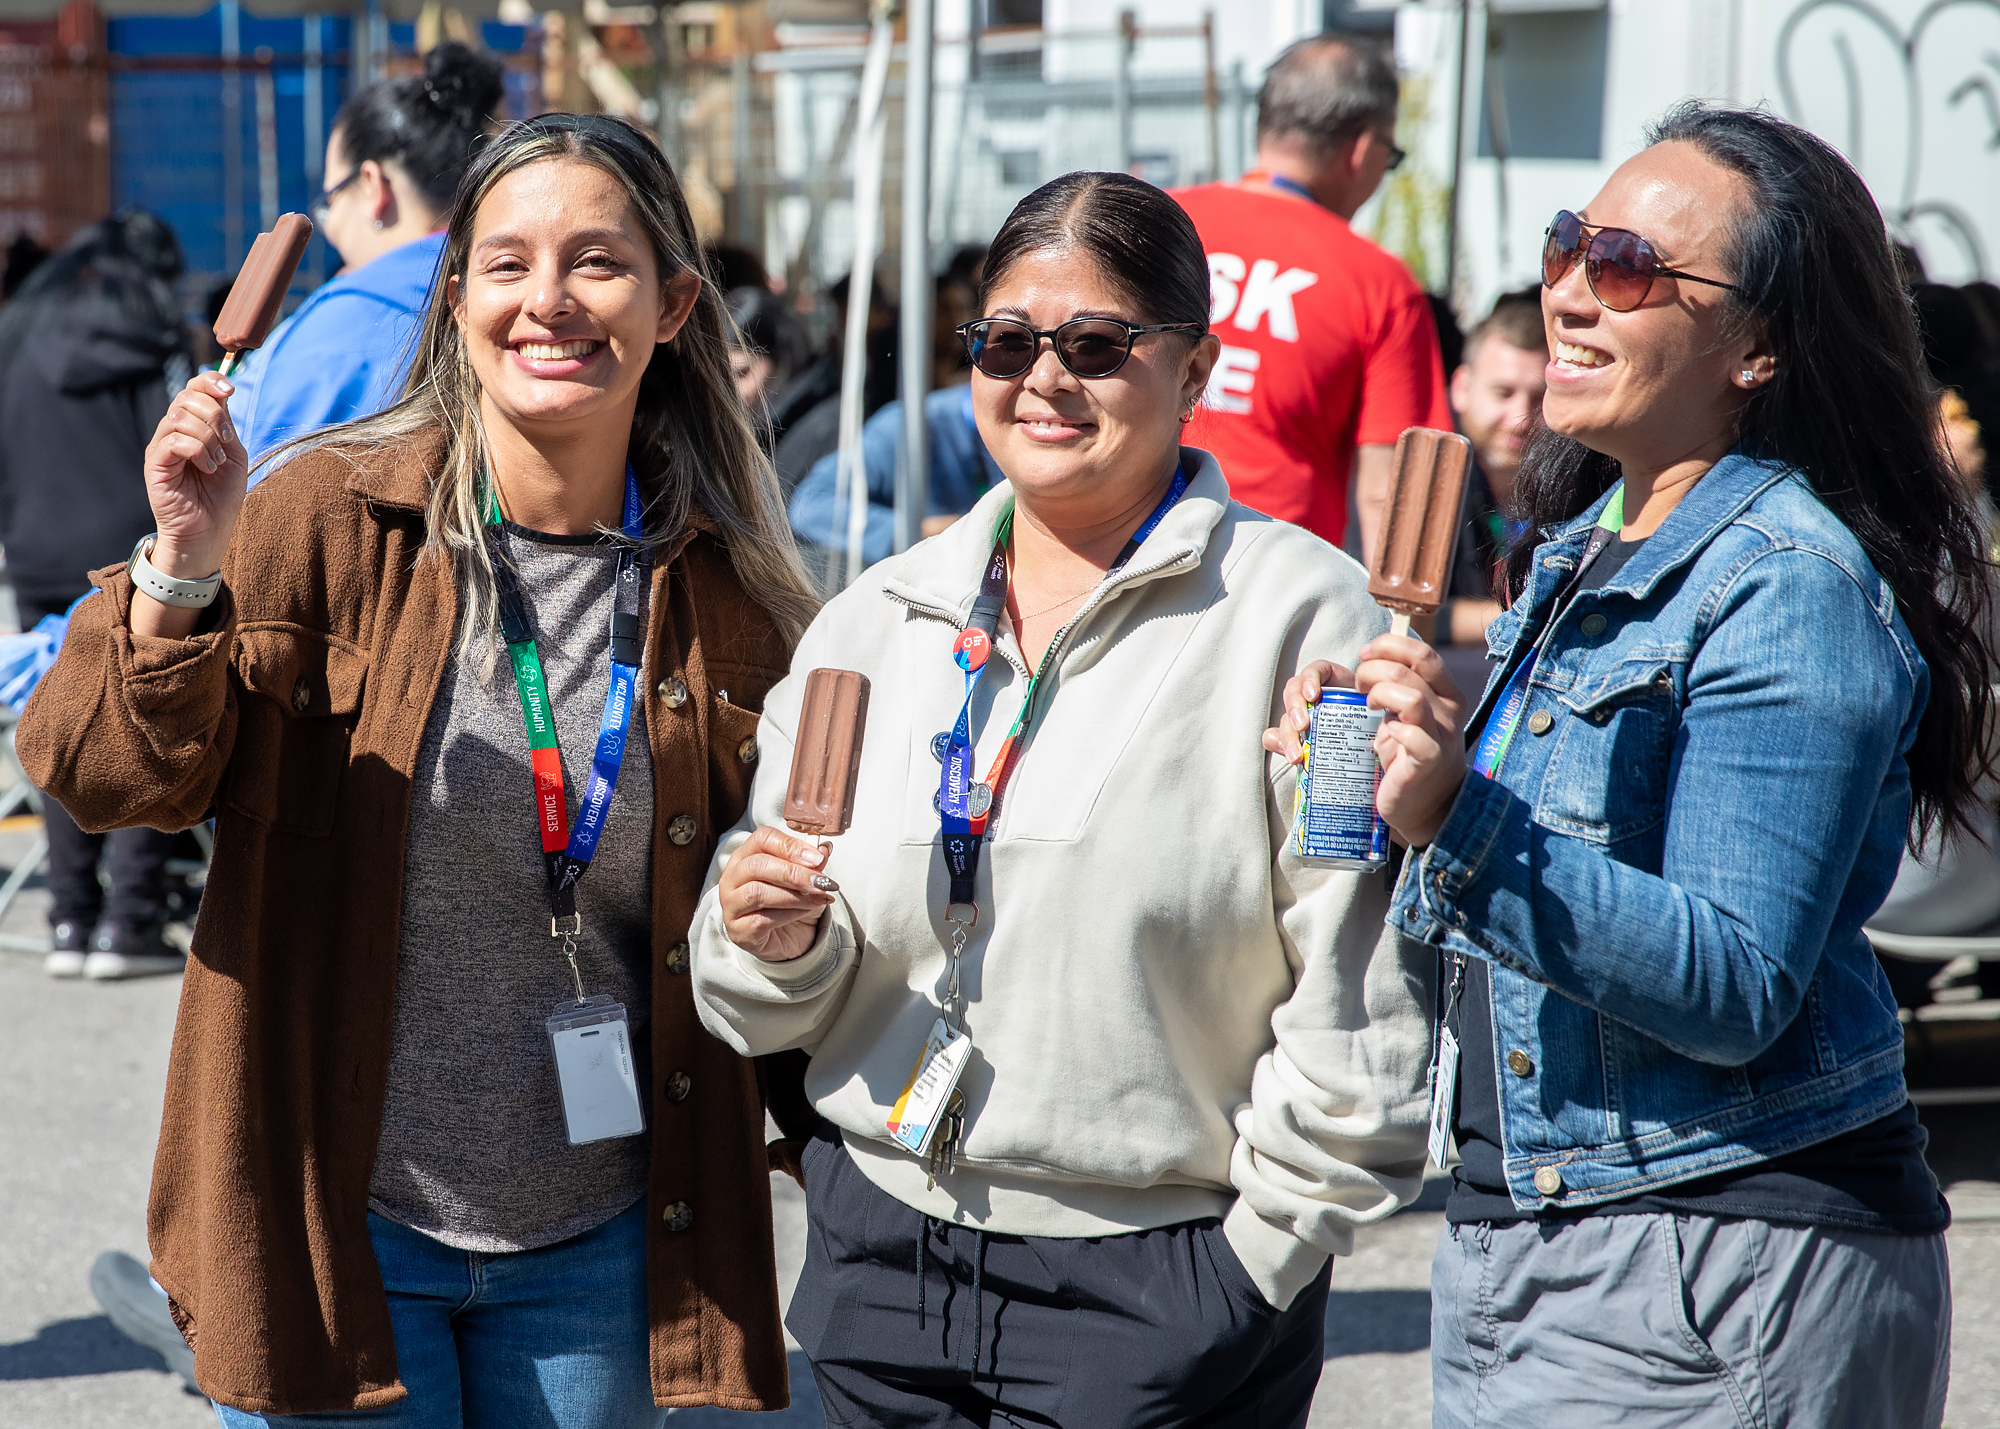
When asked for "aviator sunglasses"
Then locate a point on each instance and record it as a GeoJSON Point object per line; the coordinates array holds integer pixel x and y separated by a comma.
{"type": "Point", "coordinates": [1619, 265]}
{"type": "Point", "coordinates": [1087, 347]}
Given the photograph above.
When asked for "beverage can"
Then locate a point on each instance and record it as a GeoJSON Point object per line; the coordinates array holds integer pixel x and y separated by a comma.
{"type": "Point", "coordinates": [1335, 823]}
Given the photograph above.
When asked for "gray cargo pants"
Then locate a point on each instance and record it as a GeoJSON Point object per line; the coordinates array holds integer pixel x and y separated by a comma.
{"type": "Point", "coordinates": [1688, 1321]}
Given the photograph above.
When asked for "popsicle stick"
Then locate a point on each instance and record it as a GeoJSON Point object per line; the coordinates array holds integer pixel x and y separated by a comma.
{"type": "Point", "coordinates": [1399, 623]}
{"type": "Point", "coordinates": [230, 362]}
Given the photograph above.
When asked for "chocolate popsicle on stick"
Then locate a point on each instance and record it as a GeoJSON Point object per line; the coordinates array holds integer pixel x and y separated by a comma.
{"type": "Point", "coordinates": [826, 760]}
{"type": "Point", "coordinates": [259, 290]}
{"type": "Point", "coordinates": [1420, 525]}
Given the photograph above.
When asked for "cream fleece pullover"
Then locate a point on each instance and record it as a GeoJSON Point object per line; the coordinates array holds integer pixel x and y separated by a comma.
{"type": "Point", "coordinates": [1172, 1017]}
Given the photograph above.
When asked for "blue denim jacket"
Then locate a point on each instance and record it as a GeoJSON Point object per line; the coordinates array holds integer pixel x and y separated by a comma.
{"type": "Point", "coordinates": [1669, 870]}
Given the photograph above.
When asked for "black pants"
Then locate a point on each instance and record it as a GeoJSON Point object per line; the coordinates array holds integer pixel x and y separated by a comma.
{"type": "Point", "coordinates": [135, 860]}
{"type": "Point", "coordinates": [1154, 1328]}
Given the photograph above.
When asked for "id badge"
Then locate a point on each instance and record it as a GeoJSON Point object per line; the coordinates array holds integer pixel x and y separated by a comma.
{"type": "Point", "coordinates": [593, 1048]}
{"type": "Point", "coordinates": [1444, 1091]}
{"type": "Point", "coordinates": [920, 1109]}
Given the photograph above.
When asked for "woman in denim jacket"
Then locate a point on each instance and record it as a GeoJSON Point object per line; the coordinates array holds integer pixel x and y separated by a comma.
{"type": "Point", "coordinates": [1738, 672]}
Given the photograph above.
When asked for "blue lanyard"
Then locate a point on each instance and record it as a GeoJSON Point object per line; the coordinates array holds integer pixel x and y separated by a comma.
{"type": "Point", "coordinates": [566, 858]}
{"type": "Point", "coordinates": [1498, 734]}
{"type": "Point", "coordinates": [1278, 181]}
{"type": "Point", "coordinates": [966, 809]}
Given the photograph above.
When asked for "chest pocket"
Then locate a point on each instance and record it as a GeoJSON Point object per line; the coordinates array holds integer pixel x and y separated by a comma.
{"type": "Point", "coordinates": [1606, 778]}
{"type": "Point", "coordinates": [733, 751]}
{"type": "Point", "coordinates": [300, 700]}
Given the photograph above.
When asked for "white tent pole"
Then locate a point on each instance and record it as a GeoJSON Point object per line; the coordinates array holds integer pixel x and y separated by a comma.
{"type": "Point", "coordinates": [871, 135]}
{"type": "Point", "coordinates": [913, 472]}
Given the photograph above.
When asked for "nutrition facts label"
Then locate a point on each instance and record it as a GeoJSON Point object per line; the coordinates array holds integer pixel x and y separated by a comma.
{"type": "Point", "coordinates": [1337, 819]}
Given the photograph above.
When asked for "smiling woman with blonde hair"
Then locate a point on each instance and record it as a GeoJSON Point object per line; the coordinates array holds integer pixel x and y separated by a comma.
{"type": "Point", "coordinates": [396, 1177]}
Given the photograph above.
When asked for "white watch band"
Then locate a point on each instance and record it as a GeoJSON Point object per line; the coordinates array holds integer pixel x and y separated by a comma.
{"type": "Point", "coordinates": [166, 589]}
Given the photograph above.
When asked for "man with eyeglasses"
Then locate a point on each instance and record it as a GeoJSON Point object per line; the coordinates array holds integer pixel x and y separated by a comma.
{"type": "Point", "coordinates": [1328, 346]}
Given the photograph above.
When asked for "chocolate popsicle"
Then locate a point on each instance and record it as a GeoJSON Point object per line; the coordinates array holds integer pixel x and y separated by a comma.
{"type": "Point", "coordinates": [826, 760]}
{"type": "Point", "coordinates": [259, 290]}
{"type": "Point", "coordinates": [1420, 525]}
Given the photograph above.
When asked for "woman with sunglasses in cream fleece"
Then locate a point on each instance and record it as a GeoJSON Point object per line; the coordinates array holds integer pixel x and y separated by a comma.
{"type": "Point", "coordinates": [1192, 1064]}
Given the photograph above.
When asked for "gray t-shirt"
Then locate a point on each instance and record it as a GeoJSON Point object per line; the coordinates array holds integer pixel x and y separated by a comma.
{"type": "Point", "coordinates": [474, 1150]}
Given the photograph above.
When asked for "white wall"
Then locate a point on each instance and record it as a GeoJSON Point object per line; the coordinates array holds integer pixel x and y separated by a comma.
{"type": "Point", "coordinates": [1909, 90]}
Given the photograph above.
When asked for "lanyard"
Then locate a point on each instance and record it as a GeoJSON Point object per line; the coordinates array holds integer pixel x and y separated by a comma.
{"type": "Point", "coordinates": [1279, 181]}
{"type": "Point", "coordinates": [1505, 719]}
{"type": "Point", "coordinates": [966, 809]}
{"type": "Point", "coordinates": [566, 853]}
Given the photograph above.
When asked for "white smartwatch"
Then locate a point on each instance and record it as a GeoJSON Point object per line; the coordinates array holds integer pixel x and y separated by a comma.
{"type": "Point", "coordinates": [164, 588]}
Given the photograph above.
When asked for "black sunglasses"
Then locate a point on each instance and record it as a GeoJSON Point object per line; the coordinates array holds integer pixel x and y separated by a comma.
{"type": "Point", "coordinates": [317, 209]}
{"type": "Point", "coordinates": [1087, 347]}
{"type": "Point", "coordinates": [1619, 265]}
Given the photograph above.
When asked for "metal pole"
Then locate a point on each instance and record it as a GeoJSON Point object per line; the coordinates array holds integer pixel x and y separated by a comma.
{"type": "Point", "coordinates": [266, 89]}
{"type": "Point", "coordinates": [1236, 163]}
{"type": "Point", "coordinates": [360, 47]}
{"type": "Point", "coordinates": [913, 472]}
{"type": "Point", "coordinates": [232, 135]}
{"type": "Point", "coordinates": [314, 127]}
{"type": "Point", "coordinates": [1121, 88]}
{"type": "Point", "coordinates": [1458, 149]}
{"type": "Point", "coordinates": [668, 75]}
{"type": "Point", "coordinates": [1211, 100]}
{"type": "Point", "coordinates": [870, 139]}
{"type": "Point", "coordinates": [739, 139]}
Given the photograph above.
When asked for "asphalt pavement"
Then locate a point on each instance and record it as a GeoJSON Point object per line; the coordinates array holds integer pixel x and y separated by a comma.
{"type": "Point", "coordinates": [81, 1071]}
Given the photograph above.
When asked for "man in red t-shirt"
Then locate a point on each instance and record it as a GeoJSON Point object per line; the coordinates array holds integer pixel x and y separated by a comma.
{"type": "Point", "coordinates": [1329, 349]}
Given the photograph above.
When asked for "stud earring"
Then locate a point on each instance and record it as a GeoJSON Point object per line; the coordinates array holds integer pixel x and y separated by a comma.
{"type": "Point", "coordinates": [1749, 376]}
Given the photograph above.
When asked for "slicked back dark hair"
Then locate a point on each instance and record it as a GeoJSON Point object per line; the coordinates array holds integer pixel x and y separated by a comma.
{"type": "Point", "coordinates": [1141, 240]}
{"type": "Point", "coordinates": [1850, 405]}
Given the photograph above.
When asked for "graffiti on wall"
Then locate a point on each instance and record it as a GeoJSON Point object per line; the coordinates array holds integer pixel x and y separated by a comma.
{"type": "Point", "coordinates": [1911, 94]}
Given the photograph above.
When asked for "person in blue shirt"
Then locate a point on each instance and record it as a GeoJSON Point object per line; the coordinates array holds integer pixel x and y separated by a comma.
{"type": "Point", "coordinates": [961, 471]}
{"type": "Point", "coordinates": [393, 162]}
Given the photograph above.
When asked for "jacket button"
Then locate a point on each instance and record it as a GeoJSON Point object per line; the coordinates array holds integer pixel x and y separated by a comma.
{"type": "Point", "coordinates": [1541, 722]}
{"type": "Point", "coordinates": [678, 1086]}
{"type": "Point", "coordinates": [1592, 624]}
{"type": "Point", "coordinates": [681, 830]}
{"type": "Point", "coordinates": [1520, 1063]}
{"type": "Point", "coordinates": [679, 1216]}
{"type": "Point", "coordinates": [674, 691]}
{"type": "Point", "coordinates": [302, 695]}
{"type": "Point", "coordinates": [1548, 1181]}
{"type": "Point", "coordinates": [747, 750]}
{"type": "Point", "coordinates": [677, 958]}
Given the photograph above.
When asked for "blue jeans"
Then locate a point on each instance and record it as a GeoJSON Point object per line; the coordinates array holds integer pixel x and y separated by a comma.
{"type": "Point", "coordinates": [554, 1338]}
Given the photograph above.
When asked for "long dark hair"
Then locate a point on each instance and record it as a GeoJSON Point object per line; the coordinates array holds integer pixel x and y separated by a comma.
{"type": "Point", "coordinates": [691, 443]}
{"type": "Point", "coordinates": [428, 123]}
{"type": "Point", "coordinates": [1143, 242]}
{"type": "Point", "coordinates": [1850, 406]}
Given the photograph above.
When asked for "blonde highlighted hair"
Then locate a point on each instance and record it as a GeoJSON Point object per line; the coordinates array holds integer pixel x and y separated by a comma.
{"type": "Point", "coordinates": [691, 444]}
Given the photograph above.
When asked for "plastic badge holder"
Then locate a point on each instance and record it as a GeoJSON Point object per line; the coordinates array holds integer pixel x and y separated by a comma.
{"type": "Point", "coordinates": [600, 1091]}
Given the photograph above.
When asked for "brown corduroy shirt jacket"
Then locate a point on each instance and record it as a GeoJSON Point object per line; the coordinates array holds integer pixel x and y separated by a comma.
{"type": "Point", "coordinates": [295, 723]}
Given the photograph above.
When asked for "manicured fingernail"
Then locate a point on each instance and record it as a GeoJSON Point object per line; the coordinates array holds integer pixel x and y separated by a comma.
{"type": "Point", "coordinates": [825, 884]}
{"type": "Point", "coordinates": [228, 387]}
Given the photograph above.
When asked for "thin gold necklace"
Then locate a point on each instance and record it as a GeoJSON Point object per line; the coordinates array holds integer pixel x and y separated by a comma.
{"type": "Point", "coordinates": [1037, 614]}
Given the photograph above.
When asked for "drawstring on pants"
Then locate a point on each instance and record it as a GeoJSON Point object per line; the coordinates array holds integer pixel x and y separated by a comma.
{"type": "Point", "coordinates": [978, 1282]}
{"type": "Point", "coordinates": [923, 1258]}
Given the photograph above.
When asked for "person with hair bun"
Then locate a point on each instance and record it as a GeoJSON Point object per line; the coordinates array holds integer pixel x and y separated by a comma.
{"type": "Point", "coordinates": [1740, 671]}
{"type": "Point", "coordinates": [1191, 1062]}
{"type": "Point", "coordinates": [393, 161]}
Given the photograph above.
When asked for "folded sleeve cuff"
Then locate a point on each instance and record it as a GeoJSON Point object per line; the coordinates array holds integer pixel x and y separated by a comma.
{"type": "Point", "coordinates": [1280, 1264]}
